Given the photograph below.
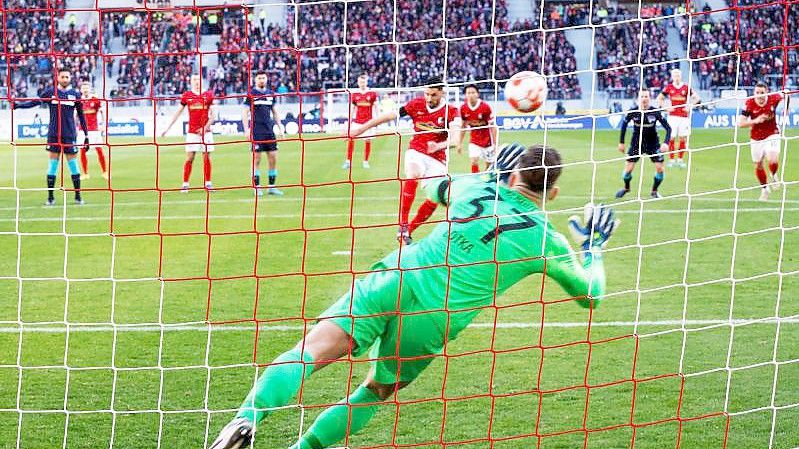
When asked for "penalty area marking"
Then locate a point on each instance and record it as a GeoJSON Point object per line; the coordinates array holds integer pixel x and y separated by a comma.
{"type": "Point", "coordinates": [342, 253]}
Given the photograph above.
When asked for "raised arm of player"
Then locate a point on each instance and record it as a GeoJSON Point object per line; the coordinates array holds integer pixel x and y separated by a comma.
{"type": "Point", "coordinates": [661, 98]}
{"type": "Point", "coordinates": [174, 119]}
{"type": "Point", "coordinates": [744, 120]}
{"type": "Point", "coordinates": [47, 93]}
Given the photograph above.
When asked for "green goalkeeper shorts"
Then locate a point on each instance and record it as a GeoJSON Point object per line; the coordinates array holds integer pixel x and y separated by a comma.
{"type": "Point", "coordinates": [382, 313]}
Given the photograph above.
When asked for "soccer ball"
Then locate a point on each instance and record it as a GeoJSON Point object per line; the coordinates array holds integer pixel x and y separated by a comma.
{"type": "Point", "coordinates": [526, 91]}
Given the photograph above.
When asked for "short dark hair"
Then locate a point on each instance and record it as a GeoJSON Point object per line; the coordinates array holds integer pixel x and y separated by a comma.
{"type": "Point", "coordinates": [64, 69]}
{"type": "Point", "coordinates": [539, 167]}
{"type": "Point", "coordinates": [762, 84]}
{"type": "Point", "coordinates": [470, 86]}
{"type": "Point", "coordinates": [363, 75]}
{"type": "Point", "coordinates": [261, 72]}
{"type": "Point", "coordinates": [434, 82]}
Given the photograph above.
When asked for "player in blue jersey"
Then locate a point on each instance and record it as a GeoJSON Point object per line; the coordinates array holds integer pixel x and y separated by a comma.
{"type": "Point", "coordinates": [260, 119]}
{"type": "Point", "coordinates": [64, 101]}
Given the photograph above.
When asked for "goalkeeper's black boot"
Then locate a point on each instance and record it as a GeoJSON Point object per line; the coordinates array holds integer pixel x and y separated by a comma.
{"type": "Point", "coordinates": [236, 435]}
{"type": "Point", "coordinates": [621, 193]}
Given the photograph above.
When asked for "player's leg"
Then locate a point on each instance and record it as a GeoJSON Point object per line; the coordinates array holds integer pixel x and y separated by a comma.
{"type": "Point", "coordinates": [773, 157]}
{"type": "Point", "coordinates": [84, 161]}
{"type": "Point", "coordinates": [207, 148]}
{"type": "Point", "coordinates": [414, 169]}
{"type": "Point", "coordinates": [673, 122]}
{"type": "Point", "coordinates": [96, 140]}
{"type": "Point", "coordinates": [627, 174]}
{"type": "Point", "coordinates": [71, 152]}
{"type": "Point", "coordinates": [191, 152]}
{"type": "Point", "coordinates": [399, 358]}
{"type": "Point", "coordinates": [271, 159]}
{"type": "Point", "coordinates": [433, 168]}
{"type": "Point", "coordinates": [758, 150]}
{"type": "Point", "coordinates": [367, 151]}
{"type": "Point", "coordinates": [54, 154]}
{"type": "Point", "coordinates": [256, 168]}
{"type": "Point", "coordinates": [659, 174]}
{"type": "Point", "coordinates": [474, 157]}
{"type": "Point", "coordinates": [350, 150]}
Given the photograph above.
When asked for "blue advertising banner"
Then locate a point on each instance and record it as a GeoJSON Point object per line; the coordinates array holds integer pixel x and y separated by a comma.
{"type": "Point", "coordinates": [39, 130]}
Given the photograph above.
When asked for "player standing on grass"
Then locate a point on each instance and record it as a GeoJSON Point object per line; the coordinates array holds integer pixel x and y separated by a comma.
{"type": "Point", "coordinates": [61, 133]}
{"type": "Point", "coordinates": [645, 141]}
{"type": "Point", "coordinates": [679, 95]}
{"type": "Point", "coordinates": [199, 138]}
{"type": "Point", "coordinates": [93, 110]}
{"type": "Point", "coordinates": [260, 117]}
{"type": "Point", "coordinates": [424, 295]}
{"type": "Point", "coordinates": [477, 115]}
{"type": "Point", "coordinates": [426, 157]}
{"type": "Point", "coordinates": [760, 114]}
{"type": "Point", "coordinates": [365, 102]}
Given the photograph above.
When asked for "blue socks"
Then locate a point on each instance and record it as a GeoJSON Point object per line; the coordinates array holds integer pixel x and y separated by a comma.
{"type": "Point", "coordinates": [52, 167]}
{"type": "Point", "coordinates": [73, 166]}
{"type": "Point", "coordinates": [658, 180]}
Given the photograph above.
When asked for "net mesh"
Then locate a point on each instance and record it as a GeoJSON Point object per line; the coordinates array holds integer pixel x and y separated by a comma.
{"type": "Point", "coordinates": [141, 318]}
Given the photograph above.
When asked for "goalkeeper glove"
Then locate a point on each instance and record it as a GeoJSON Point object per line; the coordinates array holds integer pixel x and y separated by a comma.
{"type": "Point", "coordinates": [506, 161]}
{"type": "Point", "coordinates": [600, 222]}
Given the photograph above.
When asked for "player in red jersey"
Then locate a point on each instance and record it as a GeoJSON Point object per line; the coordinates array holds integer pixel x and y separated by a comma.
{"type": "Point", "coordinates": [199, 137]}
{"type": "Point", "coordinates": [365, 102]}
{"type": "Point", "coordinates": [760, 114]}
{"type": "Point", "coordinates": [93, 111]}
{"type": "Point", "coordinates": [477, 115]}
{"type": "Point", "coordinates": [679, 95]}
{"type": "Point", "coordinates": [433, 122]}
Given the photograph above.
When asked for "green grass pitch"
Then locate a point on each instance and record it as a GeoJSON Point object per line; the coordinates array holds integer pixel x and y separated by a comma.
{"type": "Point", "coordinates": [708, 252]}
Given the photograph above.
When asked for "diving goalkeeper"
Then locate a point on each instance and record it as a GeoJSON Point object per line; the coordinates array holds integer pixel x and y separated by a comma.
{"type": "Point", "coordinates": [423, 295]}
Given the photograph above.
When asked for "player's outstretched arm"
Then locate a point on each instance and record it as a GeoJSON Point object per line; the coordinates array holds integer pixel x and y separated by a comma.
{"type": "Point", "coordinates": [623, 132]}
{"type": "Point", "coordinates": [745, 121]}
{"type": "Point", "coordinates": [47, 93]}
{"type": "Point", "coordinates": [377, 121]}
{"type": "Point", "coordinates": [174, 119]}
{"type": "Point", "coordinates": [82, 120]}
{"type": "Point", "coordinates": [665, 124]}
{"type": "Point", "coordinates": [586, 280]}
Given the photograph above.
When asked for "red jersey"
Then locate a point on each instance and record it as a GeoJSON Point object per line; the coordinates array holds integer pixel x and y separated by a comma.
{"type": "Point", "coordinates": [478, 117]}
{"type": "Point", "coordinates": [91, 106]}
{"type": "Point", "coordinates": [679, 98]}
{"type": "Point", "coordinates": [429, 125]}
{"type": "Point", "coordinates": [199, 105]}
{"type": "Point", "coordinates": [753, 110]}
{"type": "Point", "coordinates": [364, 102]}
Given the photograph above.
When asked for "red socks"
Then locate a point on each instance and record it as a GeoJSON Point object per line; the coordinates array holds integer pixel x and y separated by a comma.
{"type": "Point", "coordinates": [100, 159]}
{"type": "Point", "coordinates": [761, 175]}
{"type": "Point", "coordinates": [207, 168]}
{"type": "Point", "coordinates": [408, 195]}
{"type": "Point", "coordinates": [367, 150]}
{"type": "Point", "coordinates": [425, 211]}
{"type": "Point", "coordinates": [84, 161]}
{"type": "Point", "coordinates": [682, 148]}
{"type": "Point", "coordinates": [772, 167]}
{"type": "Point", "coordinates": [187, 171]}
{"type": "Point", "coordinates": [350, 149]}
{"type": "Point", "coordinates": [475, 168]}
{"type": "Point", "coordinates": [671, 149]}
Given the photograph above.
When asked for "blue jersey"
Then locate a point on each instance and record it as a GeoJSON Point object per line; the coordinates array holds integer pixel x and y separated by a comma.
{"type": "Point", "coordinates": [261, 103]}
{"type": "Point", "coordinates": [63, 105]}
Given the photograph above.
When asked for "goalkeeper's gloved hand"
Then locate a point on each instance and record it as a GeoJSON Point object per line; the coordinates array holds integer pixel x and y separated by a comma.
{"type": "Point", "coordinates": [506, 160]}
{"type": "Point", "coordinates": [600, 222]}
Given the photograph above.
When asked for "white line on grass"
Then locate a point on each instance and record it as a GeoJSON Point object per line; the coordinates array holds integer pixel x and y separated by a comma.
{"type": "Point", "coordinates": [119, 218]}
{"type": "Point", "coordinates": [168, 202]}
{"type": "Point", "coordinates": [61, 328]}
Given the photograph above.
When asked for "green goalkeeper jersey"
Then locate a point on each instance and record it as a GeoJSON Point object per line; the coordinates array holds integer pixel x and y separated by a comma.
{"type": "Point", "coordinates": [494, 237]}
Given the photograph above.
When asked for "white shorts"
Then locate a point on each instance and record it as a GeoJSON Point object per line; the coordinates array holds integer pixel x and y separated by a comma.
{"type": "Point", "coordinates": [369, 134]}
{"type": "Point", "coordinates": [429, 166]}
{"type": "Point", "coordinates": [484, 153]}
{"type": "Point", "coordinates": [196, 143]}
{"type": "Point", "coordinates": [680, 126]}
{"type": "Point", "coordinates": [95, 138]}
{"type": "Point", "coordinates": [768, 147]}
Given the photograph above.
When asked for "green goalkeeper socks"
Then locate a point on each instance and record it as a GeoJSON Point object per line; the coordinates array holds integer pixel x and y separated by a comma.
{"type": "Point", "coordinates": [278, 384]}
{"type": "Point", "coordinates": [334, 423]}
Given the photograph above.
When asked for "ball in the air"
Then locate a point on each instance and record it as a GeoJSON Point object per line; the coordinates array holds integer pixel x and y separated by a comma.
{"type": "Point", "coordinates": [526, 91]}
